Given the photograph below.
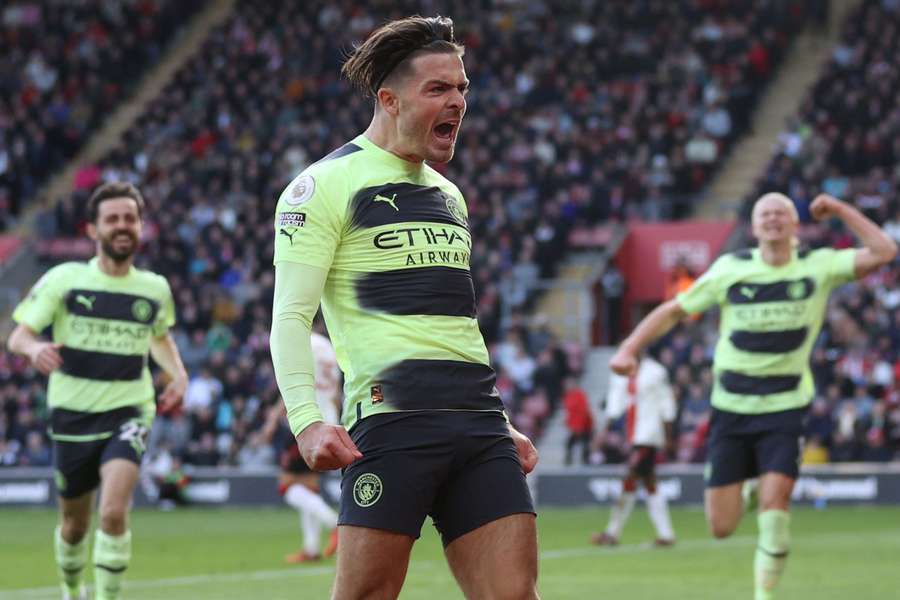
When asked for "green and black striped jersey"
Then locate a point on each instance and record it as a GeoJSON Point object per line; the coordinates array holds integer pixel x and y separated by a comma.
{"type": "Point", "coordinates": [399, 300]}
{"type": "Point", "coordinates": [770, 318]}
{"type": "Point", "coordinates": [104, 324]}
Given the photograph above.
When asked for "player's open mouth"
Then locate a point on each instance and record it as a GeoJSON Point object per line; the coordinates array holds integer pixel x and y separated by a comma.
{"type": "Point", "coordinates": [446, 130]}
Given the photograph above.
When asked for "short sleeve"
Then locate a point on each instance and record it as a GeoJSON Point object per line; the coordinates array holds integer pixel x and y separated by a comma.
{"type": "Point", "coordinates": [839, 264]}
{"type": "Point", "coordinates": [308, 222]}
{"type": "Point", "coordinates": [705, 292]}
{"type": "Point", "coordinates": [165, 319]}
{"type": "Point", "coordinates": [39, 307]}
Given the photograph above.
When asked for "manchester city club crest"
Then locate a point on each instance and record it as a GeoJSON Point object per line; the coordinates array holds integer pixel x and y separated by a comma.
{"type": "Point", "coordinates": [141, 309]}
{"type": "Point", "coordinates": [797, 290]}
{"type": "Point", "coordinates": [367, 489]}
{"type": "Point", "coordinates": [456, 210]}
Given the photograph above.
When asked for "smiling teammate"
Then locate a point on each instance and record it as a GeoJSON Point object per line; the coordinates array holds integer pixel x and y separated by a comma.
{"type": "Point", "coordinates": [772, 300]}
{"type": "Point", "coordinates": [106, 317]}
{"type": "Point", "coordinates": [383, 240]}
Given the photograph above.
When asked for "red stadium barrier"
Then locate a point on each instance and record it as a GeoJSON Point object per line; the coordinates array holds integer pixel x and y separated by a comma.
{"type": "Point", "coordinates": [651, 250]}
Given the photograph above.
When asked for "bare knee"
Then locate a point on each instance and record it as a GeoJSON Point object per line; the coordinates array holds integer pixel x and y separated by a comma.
{"type": "Point", "coordinates": [74, 527]}
{"type": "Point", "coordinates": [368, 590]}
{"type": "Point", "coordinates": [720, 531]}
{"type": "Point", "coordinates": [113, 519]}
{"type": "Point", "coordinates": [522, 588]}
{"type": "Point", "coordinates": [721, 527]}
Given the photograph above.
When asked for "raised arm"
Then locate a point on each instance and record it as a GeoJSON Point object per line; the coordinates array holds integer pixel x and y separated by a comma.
{"type": "Point", "coordinates": [878, 247]}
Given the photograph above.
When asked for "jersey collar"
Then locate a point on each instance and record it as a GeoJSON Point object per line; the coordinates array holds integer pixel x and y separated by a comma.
{"type": "Point", "coordinates": [94, 263]}
{"type": "Point", "coordinates": [386, 157]}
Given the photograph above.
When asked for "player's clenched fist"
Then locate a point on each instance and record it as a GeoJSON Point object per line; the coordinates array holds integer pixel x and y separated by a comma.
{"type": "Point", "coordinates": [623, 363]}
{"type": "Point", "coordinates": [824, 207]}
{"type": "Point", "coordinates": [325, 447]}
{"type": "Point", "coordinates": [45, 357]}
{"type": "Point", "coordinates": [528, 454]}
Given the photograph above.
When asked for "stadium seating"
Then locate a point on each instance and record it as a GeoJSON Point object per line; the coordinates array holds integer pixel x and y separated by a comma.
{"type": "Point", "coordinates": [65, 66]}
{"type": "Point", "coordinates": [571, 121]}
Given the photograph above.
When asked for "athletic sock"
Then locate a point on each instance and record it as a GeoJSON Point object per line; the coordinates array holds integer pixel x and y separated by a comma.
{"type": "Point", "coordinates": [112, 554]}
{"type": "Point", "coordinates": [304, 499]}
{"type": "Point", "coordinates": [620, 513]}
{"type": "Point", "coordinates": [70, 559]}
{"type": "Point", "coordinates": [771, 551]}
{"type": "Point", "coordinates": [658, 508]}
{"type": "Point", "coordinates": [312, 533]}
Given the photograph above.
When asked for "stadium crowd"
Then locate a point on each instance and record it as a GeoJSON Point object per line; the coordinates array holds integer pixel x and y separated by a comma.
{"type": "Point", "coordinates": [842, 141]}
{"type": "Point", "coordinates": [615, 122]}
{"type": "Point", "coordinates": [63, 67]}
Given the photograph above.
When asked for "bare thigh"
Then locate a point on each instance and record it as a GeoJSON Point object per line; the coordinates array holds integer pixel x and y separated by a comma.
{"type": "Point", "coordinates": [371, 563]}
{"type": "Point", "coordinates": [118, 478]}
{"type": "Point", "coordinates": [497, 561]}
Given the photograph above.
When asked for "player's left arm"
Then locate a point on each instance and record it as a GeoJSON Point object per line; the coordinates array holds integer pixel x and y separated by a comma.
{"type": "Point", "coordinates": [165, 354]}
{"type": "Point", "coordinates": [528, 454]}
{"type": "Point", "coordinates": [878, 247]}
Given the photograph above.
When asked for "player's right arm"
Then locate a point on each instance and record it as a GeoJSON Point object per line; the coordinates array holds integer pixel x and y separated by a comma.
{"type": "Point", "coordinates": [32, 316]}
{"type": "Point", "coordinates": [704, 293]}
{"type": "Point", "coordinates": [43, 354]}
{"type": "Point", "coordinates": [655, 325]}
{"type": "Point", "coordinates": [307, 232]}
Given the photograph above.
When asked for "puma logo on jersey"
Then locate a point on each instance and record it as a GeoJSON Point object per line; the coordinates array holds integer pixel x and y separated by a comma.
{"type": "Point", "coordinates": [748, 292]}
{"type": "Point", "coordinates": [289, 236]}
{"type": "Point", "coordinates": [380, 198]}
{"type": "Point", "coordinates": [86, 301]}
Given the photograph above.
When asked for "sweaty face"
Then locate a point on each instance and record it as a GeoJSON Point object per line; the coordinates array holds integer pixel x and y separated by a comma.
{"type": "Point", "coordinates": [118, 228]}
{"type": "Point", "coordinates": [431, 106]}
{"type": "Point", "coordinates": [774, 219]}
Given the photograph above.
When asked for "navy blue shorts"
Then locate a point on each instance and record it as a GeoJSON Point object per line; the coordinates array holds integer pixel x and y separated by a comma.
{"type": "Point", "coordinates": [745, 446]}
{"type": "Point", "coordinates": [120, 433]}
{"type": "Point", "coordinates": [461, 468]}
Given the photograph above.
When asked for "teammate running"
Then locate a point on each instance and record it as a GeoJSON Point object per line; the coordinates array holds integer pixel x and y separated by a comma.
{"type": "Point", "coordinates": [772, 300]}
{"type": "Point", "coordinates": [106, 316]}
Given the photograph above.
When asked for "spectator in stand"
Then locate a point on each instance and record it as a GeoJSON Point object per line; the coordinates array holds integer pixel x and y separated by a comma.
{"type": "Point", "coordinates": [579, 420]}
{"type": "Point", "coordinates": [66, 65]}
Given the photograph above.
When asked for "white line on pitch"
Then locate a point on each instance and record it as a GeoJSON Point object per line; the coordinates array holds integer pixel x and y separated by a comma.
{"type": "Point", "coordinates": [694, 544]}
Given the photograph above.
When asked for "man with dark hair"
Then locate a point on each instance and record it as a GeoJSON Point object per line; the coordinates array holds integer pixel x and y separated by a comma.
{"type": "Point", "coordinates": [382, 240]}
{"type": "Point", "coordinates": [106, 317]}
{"type": "Point", "coordinates": [773, 300]}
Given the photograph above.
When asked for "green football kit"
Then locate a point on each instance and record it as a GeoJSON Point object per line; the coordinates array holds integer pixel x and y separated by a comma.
{"type": "Point", "coordinates": [770, 318]}
{"type": "Point", "coordinates": [398, 300]}
{"type": "Point", "coordinates": [104, 324]}
{"type": "Point", "coordinates": [385, 244]}
{"type": "Point", "coordinates": [102, 397]}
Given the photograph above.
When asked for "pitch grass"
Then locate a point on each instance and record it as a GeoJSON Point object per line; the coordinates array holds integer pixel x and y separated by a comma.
{"type": "Point", "coordinates": [838, 553]}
